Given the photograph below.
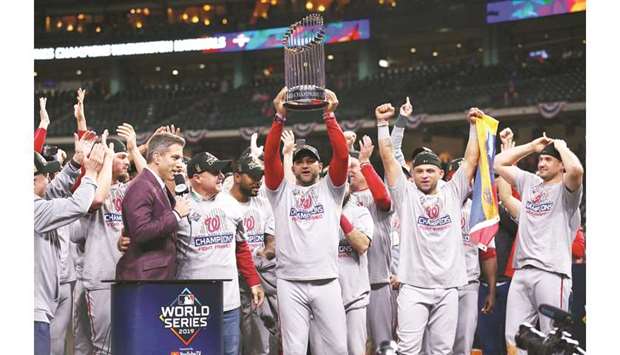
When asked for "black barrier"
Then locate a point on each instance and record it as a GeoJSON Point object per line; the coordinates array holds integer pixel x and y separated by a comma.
{"type": "Point", "coordinates": [176, 317]}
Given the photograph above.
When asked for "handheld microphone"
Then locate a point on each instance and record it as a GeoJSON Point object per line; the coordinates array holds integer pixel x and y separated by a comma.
{"type": "Point", "coordinates": [180, 188]}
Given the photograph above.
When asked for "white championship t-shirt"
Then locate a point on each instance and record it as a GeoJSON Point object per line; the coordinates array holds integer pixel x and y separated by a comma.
{"type": "Point", "coordinates": [307, 220]}
{"type": "Point", "coordinates": [548, 222]}
{"type": "Point", "coordinates": [431, 242]}
{"type": "Point", "coordinates": [206, 248]}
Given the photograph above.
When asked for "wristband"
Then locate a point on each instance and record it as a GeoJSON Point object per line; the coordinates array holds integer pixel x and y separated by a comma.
{"type": "Point", "coordinates": [329, 116]}
{"type": "Point", "coordinates": [279, 118]}
{"type": "Point", "coordinates": [346, 226]}
{"type": "Point", "coordinates": [75, 164]}
{"type": "Point", "coordinates": [383, 131]}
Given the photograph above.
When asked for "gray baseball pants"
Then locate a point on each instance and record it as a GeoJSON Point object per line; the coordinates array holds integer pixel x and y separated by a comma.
{"type": "Point", "coordinates": [62, 318]}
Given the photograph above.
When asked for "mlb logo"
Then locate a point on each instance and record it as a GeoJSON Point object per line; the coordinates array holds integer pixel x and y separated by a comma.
{"type": "Point", "coordinates": [175, 353]}
{"type": "Point", "coordinates": [186, 300]}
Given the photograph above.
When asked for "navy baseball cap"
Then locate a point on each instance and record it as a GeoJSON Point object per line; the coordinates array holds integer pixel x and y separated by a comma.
{"type": "Point", "coordinates": [41, 166]}
{"type": "Point", "coordinates": [249, 165]}
{"type": "Point", "coordinates": [206, 161]}
{"type": "Point", "coordinates": [427, 157]}
{"type": "Point", "coordinates": [306, 150]}
{"type": "Point", "coordinates": [549, 149]}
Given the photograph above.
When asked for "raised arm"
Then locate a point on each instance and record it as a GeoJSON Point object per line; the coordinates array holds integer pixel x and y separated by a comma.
{"type": "Point", "coordinates": [357, 239]}
{"type": "Point", "coordinates": [41, 133]}
{"type": "Point", "coordinates": [472, 151]}
{"type": "Point", "coordinates": [504, 162]}
{"type": "Point", "coordinates": [126, 131]}
{"type": "Point", "coordinates": [398, 132]}
{"type": "Point", "coordinates": [488, 262]}
{"type": "Point", "coordinates": [104, 179]}
{"type": "Point", "coordinates": [390, 165]}
{"type": "Point", "coordinates": [274, 171]}
{"type": "Point", "coordinates": [339, 164]}
{"type": "Point", "coordinates": [378, 190]}
{"type": "Point", "coordinates": [288, 147]}
{"type": "Point", "coordinates": [78, 112]}
{"type": "Point", "coordinates": [573, 176]}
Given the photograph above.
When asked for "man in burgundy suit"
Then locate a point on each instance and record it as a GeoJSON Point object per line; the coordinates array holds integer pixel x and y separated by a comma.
{"type": "Point", "coordinates": [151, 214]}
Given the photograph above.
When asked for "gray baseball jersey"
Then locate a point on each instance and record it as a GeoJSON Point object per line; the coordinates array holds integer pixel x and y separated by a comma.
{"type": "Point", "coordinates": [379, 253]}
{"type": "Point", "coordinates": [58, 208]}
{"type": "Point", "coordinates": [352, 267]}
{"type": "Point", "coordinates": [67, 267]}
{"type": "Point", "coordinates": [472, 262]}
{"type": "Point", "coordinates": [548, 222]}
{"type": "Point", "coordinates": [206, 244]}
{"type": "Point", "coordinates": [431, 245]}
{"type": "Point", "coordinates": [306, 220]}
{"type": "Point", "coordinates": [103, 227]}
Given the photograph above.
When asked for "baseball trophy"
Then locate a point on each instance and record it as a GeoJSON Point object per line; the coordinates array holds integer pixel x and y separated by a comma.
{"type": "Point", "coordinates": [304, 64]}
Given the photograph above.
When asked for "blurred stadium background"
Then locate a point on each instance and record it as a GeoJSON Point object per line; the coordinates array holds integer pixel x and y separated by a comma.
{"type": "Point", "coordinates": [521, 61]}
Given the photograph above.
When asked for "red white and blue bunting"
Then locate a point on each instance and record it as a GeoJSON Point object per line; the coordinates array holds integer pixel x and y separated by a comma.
{"type": "Point", "coordinates": [303, 129]}
{"type": "Point", "coordinates": [351, 125]}
{"type": "Point", "coordinates": [247, 132]}
{"type": "Point", "coordinates": [142, 137]}
{"type": "Point", "coordinates": [415, 120]}
{"type": "Point", "coordinates": [194, 136]}
{"type": "Point", "coordinates": [551, 109]}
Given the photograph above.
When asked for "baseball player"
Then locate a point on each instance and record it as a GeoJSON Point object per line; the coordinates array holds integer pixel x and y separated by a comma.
{"type": "Point", "coordinates": [212, 242]}
{"type": "Point", "coordinates": [548, 220]}
{"type": "Point", "coordinates": [258, 224]}
{"type": "Point", "coordinates": [356, 229]}
{"type": "Point", "coordinates": [54, 207]}
{"type": "Point", "coordinates": [371, 193]}
{"type": "Point", "coordinates": [82, 344]}
{"type": "Point", "coordinates": [307, 245]}
{"type": "Point", "coordinates": [103, 227]}
{"type": "Point", "coordinates": [432, 262]}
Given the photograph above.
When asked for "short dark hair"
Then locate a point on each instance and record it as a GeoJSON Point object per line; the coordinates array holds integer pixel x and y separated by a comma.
{"type": "Point", "coordinates": [161, 142]}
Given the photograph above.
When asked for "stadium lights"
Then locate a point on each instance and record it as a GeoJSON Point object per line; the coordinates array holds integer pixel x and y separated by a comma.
{"type": "Point", "coordinates": [146, 11]}
{"type": "Point", "coordinates": [78, 72]}
{"type": "Point", "coordinates": [70, 27]}
{"type": "Point", "coordinates": [458, 45]}
{"type": "Point", "coordinates": [206, 7]}
{"type": "Point", "coordinates": [185, 16]}
{"type": "Point", "coordinates": [138, 24]}
{"type": "Point", "coordinates": [330, 57]}
{"type": "Point", "coordinates": [383, 63]}
{"type": "Point", "coordinates": [175, 72]}
{"type": "Point", "coordinates": [412, 50]}
{"type": "Point", "coordinates": [435, 53]}
{"type": "Point", "coordinates": [309, 5]}
{"type": "Point", "coordinates": [132, 11]}
{"type": "Point", "coordinates": [202, 66]}
{"type": "Point", "coordinates": [80, 16]}
{"type": "Point", "coordinates": [207, 22]}
{"type": "Point", "coordinates": [224, 21]}
{"type": "Point", "coordinates": [321, 8]}
{"type": "Point", "coordinates": [98, 29]}
{"type": "Point", "coordinates": [274, 2]}
{"type": "Point", "coordinates": [195, 19]}
{"type": "Point", "coordinates": [59, 24]}
{"type": "Point", "coordinates": [157, 68]}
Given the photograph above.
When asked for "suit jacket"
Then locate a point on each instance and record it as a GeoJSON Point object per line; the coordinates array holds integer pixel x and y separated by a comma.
{"type": "Point", "coordinates": [151, 226]}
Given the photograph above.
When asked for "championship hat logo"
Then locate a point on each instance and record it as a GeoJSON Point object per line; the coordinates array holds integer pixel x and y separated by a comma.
{"type": "Point", "coordinates": [185, 316]}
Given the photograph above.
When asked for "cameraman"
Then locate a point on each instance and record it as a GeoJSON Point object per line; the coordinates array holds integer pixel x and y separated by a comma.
{"type": "Point", "coordinates": [548, 220]}
{"type": "Point", "coordinates": [54, 207]}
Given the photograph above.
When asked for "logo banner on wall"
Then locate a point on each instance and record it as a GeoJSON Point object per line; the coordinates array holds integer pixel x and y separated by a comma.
{"type": "Point", "coordinates": [551, 109]}
{"type": "Point", "coordinates": [178, 317]}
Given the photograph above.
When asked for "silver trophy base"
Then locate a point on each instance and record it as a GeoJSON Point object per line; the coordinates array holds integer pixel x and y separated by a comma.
{"type": "Point", "coordinates": [305, 98]}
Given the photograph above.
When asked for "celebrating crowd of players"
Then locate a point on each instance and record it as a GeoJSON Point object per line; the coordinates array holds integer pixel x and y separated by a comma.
{"type": "Point", "coordinates": [323, 259]}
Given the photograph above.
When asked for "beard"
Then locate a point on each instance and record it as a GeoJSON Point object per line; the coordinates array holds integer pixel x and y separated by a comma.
{"type": "Point", "coordinates": [247, 191]}
{"type": "Point", "coordinates": [123, 177]}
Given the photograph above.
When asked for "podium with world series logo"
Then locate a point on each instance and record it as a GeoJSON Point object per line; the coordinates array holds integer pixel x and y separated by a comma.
{"type": "Point", "coordinates": [172, 317]}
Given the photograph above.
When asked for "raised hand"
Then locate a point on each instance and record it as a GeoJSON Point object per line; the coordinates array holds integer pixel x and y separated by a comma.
{"type": "Point", "coordinates": [278, 102]}
{"type": "Point", "coordinates": [94, 161]}
{"type": "Point", "coordinates": [384, 112]}
{"type": "Point", "coordinates": [474, 114]}
{"type": "Point", "coordinates": [406, 109]}
{"type": "Point", "coordinates": [83, 145]}
{"type": "Point", "coordinates": [350, 137]}
{"type": "Point", "coordinates": [78, 109]}
{"type": "Point", "coordinates": [45, 118]}
{"type": "Point", "coordinates": [255, 150]}
{"type": "Point", "coordinates": [559, 144]}
{"type": "Point", "coordinates": [540, 143]}
{"type": "Point", "coordinates": [366, 149]}
{"type": "Point", "coordinates": [332, 101]}
{"type": "Point", "coordinates": [288, 140]}
{"type": "Point", "coordinates": [126, 131]}
{"type": "Point", "coordinates": [507, 138]}
{"type": "Point", "coordinates": [104, 141]}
